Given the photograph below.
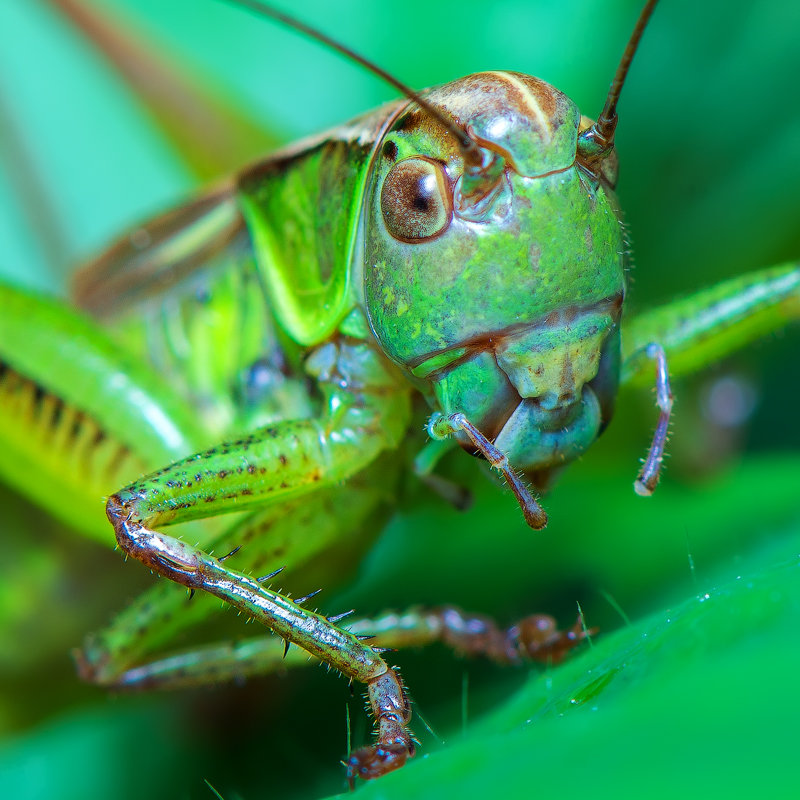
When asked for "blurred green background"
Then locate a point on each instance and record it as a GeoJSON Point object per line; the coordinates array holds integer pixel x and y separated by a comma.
{"type": "Point", "coordinates": [703, 703]}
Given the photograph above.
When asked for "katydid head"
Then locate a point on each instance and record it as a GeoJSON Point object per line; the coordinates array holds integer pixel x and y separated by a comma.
{"type": "Point", "coordinates": [494, 261]}
{"type": "Point", "coordinates": [499, 285]}
{"type": "Point", "coordinates": [503, 303]}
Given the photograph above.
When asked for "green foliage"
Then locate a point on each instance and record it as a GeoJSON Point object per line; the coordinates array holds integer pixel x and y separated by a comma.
{"type": "Point", "coordinates": [695, 700]}
{"type": "Point", "coordinates": [704, 704]}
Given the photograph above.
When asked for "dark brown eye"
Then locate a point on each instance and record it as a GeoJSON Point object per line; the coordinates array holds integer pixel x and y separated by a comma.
{"type": "Point", "coordinates": [415, 200]}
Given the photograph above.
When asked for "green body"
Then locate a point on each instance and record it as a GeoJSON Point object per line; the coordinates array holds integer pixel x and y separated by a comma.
{"type": "Point", "coordinates": [281, 317]}
{"type": "Point", "coordinates": [310, 377]}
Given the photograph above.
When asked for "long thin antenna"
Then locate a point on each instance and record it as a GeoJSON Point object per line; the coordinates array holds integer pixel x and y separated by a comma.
{"type": "Point", "coordinates": [600, 136]}
{"type": "Point", "coordinates": [470, 150]}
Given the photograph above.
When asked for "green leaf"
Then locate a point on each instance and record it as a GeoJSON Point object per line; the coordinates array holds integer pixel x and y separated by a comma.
{"type": "Point", "coordinates": [697, 700]}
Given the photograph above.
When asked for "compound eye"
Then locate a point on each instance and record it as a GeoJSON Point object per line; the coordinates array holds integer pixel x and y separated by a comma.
{"type": "Point", "coordinates": [415, 200]}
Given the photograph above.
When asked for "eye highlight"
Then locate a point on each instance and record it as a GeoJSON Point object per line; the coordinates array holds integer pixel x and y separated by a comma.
{"type": "Point", "coordinates": [415, 200]}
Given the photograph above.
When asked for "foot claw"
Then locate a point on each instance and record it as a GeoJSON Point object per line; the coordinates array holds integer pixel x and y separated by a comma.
{"type": "Point", "coordinates": [392, 711]}
{"type": "Point", "coordinates": [538, 638]}
{"type": "Point", "coordinates": [372, 762]}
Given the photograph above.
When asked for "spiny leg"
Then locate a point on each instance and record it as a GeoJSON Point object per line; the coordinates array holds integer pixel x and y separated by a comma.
{"type": "Point", "coordinates": [365, 413]}
{"type": "Point", "coordinates": [309, 630]}
{"type": "Point", "coordinates": [319, 537]}
{"type": "Point", "coordinates": [535, 638]}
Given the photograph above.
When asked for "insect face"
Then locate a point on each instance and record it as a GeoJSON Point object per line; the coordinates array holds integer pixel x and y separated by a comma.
{"type": "Point", "coordinates": [486, 300]}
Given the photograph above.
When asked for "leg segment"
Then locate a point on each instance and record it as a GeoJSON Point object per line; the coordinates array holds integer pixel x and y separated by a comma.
{"type": "Point", "coordinates": [698, 329]}
{"type": "Point", "coordinates": [712, 323]}
{"type": "Point", "coordinates": [191, 567]}
{"type": "Point", "coordinates": [319, 537]}
{"type": "Point", "coordinates": [534, 638]}
{"type": "Point", "coordinates": [647, 479]}
{"type": "Point", "coordinates": [309, 630]}
{"type": "Point", "coordinates": [365, 413]}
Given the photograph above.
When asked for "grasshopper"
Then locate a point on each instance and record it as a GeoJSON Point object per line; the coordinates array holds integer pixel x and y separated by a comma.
{"type": "Point", "coordinates": [369, 337]}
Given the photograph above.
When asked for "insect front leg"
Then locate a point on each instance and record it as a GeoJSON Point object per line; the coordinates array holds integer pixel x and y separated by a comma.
{"type": "Point", "coordinates": [311, 631]}
{"type": "Point", "coordinates": [692, 332]}
{"type": "Point", "coordinates": [319, 537]}
{"type": "Point", "coordinates": [647, 479]}
{"type": "Point", "coordinates": [364, 413]}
